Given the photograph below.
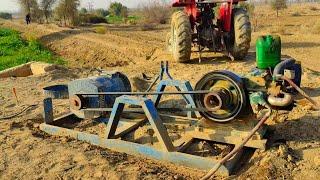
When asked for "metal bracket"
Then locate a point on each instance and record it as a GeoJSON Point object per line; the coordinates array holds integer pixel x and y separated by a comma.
{"type": "Point", "coordinates": [151, 113]}
{"type": "Point", "coordinates": [169, 81]}
{"type": "Point", "coordinates": [48, 110]}
{"type": "Point", "coordinates": [180, 86]}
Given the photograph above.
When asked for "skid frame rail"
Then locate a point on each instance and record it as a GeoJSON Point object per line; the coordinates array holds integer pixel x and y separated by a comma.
{"type": "Point", "coordinates": [116, 129]}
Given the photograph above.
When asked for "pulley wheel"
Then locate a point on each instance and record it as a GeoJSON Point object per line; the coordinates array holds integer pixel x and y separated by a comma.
{"type": "Point", "coordinates": [228, 97]}
{"type": "Point", "coordinates": [76, 102]}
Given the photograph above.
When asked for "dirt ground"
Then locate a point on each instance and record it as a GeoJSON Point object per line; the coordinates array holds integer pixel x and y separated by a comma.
{"type": "Point", "coordinates": [28, 153]}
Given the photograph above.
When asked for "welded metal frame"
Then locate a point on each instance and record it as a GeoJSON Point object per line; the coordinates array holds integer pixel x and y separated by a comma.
{"type": "Point", "coordinates": [112, 139]}
{"type": "Point", "coordinates": [116, 129]}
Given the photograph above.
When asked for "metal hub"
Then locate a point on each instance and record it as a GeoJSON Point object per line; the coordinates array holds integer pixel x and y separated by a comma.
{"type": "Point", "coordinates": [76, 102]}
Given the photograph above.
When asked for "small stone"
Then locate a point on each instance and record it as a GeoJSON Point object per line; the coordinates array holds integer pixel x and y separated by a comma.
{"type": "Point", "coordinates": [290, 158]}
{"type": "Point", "coordinates": [283, 150]}
{"type": "Point", "coordinates": [36, 125]}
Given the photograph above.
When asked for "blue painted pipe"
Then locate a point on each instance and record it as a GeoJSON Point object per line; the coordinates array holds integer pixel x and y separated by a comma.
{"type": "Point", "coordinates": [290, 64]}
{"type": "Point", "coordinates": [279, 69]}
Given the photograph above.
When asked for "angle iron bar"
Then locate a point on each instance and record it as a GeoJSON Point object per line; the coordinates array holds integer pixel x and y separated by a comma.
{"type": "Point", "coordinates": [131, 148]}
{"type": "Point", "coordinates": [149, 93]}
{"type": "Point", "coordinates": [141, 110]}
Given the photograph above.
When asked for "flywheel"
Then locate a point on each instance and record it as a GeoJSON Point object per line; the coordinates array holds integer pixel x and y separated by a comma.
{"type": "Point", "coordinates": [227, 99]}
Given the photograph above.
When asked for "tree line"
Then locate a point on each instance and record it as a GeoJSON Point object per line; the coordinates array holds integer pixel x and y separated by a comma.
{"type": "Point", "coordinates": [67, 11]}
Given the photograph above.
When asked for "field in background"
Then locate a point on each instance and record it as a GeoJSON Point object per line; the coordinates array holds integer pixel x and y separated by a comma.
{"type": "Point", "coordinates": [15, 51]}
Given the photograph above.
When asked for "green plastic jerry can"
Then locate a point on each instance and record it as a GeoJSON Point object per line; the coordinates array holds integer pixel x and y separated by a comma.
{"type": "Point", "coordinates": [268, 51]}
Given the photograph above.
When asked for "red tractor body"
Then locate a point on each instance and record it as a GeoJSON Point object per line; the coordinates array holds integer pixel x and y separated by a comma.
{"type": "Point", "coordinates": [208, 31]}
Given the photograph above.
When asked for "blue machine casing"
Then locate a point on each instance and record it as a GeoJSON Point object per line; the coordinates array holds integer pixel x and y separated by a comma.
{"type": "Point", "coordinates": [110, 82]}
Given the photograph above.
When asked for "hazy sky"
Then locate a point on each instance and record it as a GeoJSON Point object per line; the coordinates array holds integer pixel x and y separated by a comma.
{"type": "Point", "coordinates": [12, 6]}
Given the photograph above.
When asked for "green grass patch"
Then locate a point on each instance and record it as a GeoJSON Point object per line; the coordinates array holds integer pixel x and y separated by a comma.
{"type": "Point", "coordinates": [15, 51]}
{"type": "Point", "coordinates": [119, 20]}
{"type": "Point", "coordinates": [115, 19]}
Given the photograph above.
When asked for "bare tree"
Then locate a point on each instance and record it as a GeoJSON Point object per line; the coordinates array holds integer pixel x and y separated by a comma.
{"type": "Point", "coordinates": [278, 5]}
{"type": "Point", "coordinates": [27, 5]}
{"type": "Point", "coordinates": [68, 11]}
{"type": "Point", "coordinates": [31, 7]}
{"type": "Point", "coordinates": [46, 6]}
{"type": "Point", "coordinates": [37, 13]}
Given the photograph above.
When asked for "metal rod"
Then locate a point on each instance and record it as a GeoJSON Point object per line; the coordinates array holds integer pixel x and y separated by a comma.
{"type": "Point", "coordinates": [153, 83]}
{"type": "Point", "coordinates": [178, 117]}
{"type": "Point", "coordinates": [141, 110]}
{"type": "Point", "coordinates": [239, 147]}
{"type": "Point", "coordinates": [149, 93]}
{"type": "Point", "coordinates": [304, 94]}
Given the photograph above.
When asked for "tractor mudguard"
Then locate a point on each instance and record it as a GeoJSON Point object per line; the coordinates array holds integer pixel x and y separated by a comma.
{"type": "Point", "coordinates": [182, 3]}
{"type": "Point", "coordinates": [190, 8]}
{"type": "Point", "coordinates": [225, 13]}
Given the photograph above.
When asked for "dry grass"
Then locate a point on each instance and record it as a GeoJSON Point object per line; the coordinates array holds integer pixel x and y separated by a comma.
{"type": "Point", "coordinates": [100, 29]}
{"type": "Point", "coordinates": [316, 27]}
{"type": "Point", "coordinates": [131, 22]}
{"type": "Point", "coordinates": [147, 27]}
{"type": "Point", "coordinates": [296, 14]}
{"type": "Point", "coordinates": [280, 29]}
{"type": "Point", "coordinates": [30, 36]}
{"type": "Point", "coordinates": [313, 8]}
{"type": "Point", "coordinates": [155, 12]}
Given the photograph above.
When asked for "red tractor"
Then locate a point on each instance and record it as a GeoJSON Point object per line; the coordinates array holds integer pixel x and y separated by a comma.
{"type": "Point", "coordinates": [228, 31]}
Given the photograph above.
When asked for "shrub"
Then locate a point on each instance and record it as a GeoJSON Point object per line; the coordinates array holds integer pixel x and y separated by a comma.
{"type": "Point", "coordinates": [4, 15]}
{"type": "Point", "coordinates": [102, 12]}
{"type": "Point", "coordinates": [114, 19]}
{"type": "Point", "coordinates": [100, 29]}
{"type": "Point", "coordinates": [92, 18]}
{"type": "Point", "coordinates": [118, 9]}
{"type": "Point", "coordinates": [278, 5]}
{"type": "Point", "coordinates": [313, 8]}
{"type": "Point", "coordinates": [296, 14]}
{"type": "Point", "coordinates": [156, 12]}
{"type": "Point", "coordinates": [67, 11]}
{"type": "Point", "coordinates": [131, 21]}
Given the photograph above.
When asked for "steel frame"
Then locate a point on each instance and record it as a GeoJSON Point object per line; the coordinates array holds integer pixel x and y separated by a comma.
{"type": "Point", "coordinates": [116, 128]}
{"type": "Point", "coordinates": [114, 132]}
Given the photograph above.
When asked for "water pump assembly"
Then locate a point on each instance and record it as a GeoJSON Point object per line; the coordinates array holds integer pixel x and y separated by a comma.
{"type": "Point", "coordinates": [216, 110]}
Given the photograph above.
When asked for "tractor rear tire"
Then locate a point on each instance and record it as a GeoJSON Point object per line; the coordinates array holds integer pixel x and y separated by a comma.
{"type": "Point", "coordinates": [242, 33]}
{"type": "Point", "coordinates": [181, 38]}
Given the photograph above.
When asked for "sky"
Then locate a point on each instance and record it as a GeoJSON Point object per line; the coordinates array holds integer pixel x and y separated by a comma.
{"type": "Point", "coordinates": [12, 5]}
